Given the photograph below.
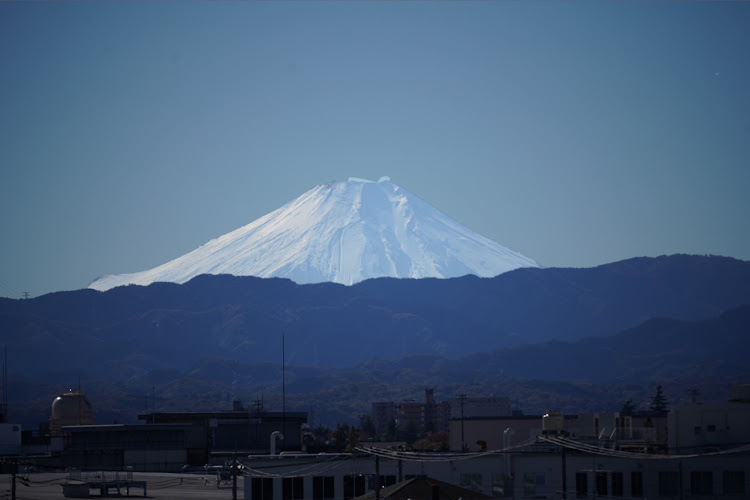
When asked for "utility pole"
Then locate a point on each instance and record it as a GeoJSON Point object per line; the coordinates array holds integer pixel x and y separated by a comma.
{"type": "Point", "coordinates": [153, 404]}
{"type": "Point", "coordinates": [235, 376]}
{"type": "Point", "coordinates": [377, 477]}
{"type": "Point", "coordinates": [564, 473]}
{"type": "Point", "coordinates": [4, 408]}
{"type": "Point", "coordinates": [234, 476]}
{"type": "Point", "coordinates": [462, 398]}
{"type": "Point", "coordinates": [14, 470]}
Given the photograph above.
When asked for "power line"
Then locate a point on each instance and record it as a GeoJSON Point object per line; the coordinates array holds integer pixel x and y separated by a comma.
{"type": "Point", "coordinates": [577, 445]}
{"type": "Point", "coordinates": [12, 291]}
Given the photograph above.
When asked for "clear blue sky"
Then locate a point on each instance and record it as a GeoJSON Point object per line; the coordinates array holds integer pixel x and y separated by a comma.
{"type": "Point", "coordinates": [575, 133]}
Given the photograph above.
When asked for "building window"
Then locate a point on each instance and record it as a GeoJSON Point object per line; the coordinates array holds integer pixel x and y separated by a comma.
{"type": "Point", "coordinates": [711, 428]}
{"type": "Point", "coordinates": [322, 487]}
{"type": "Point", "coordinates": [701, 482]}
{"type": "Point", "coordinates": [636, 484]}
{"type": "Point", "coordinates": [354, 486]}
{"type": "Point", "coordinates": [582, 485]}
{"type": "Point", "coordinates": [531, 481]}
{"type": "Point", "coordinates": [601, 483]}
{"type": "Point", "coordinates": [668, 483]}
{"type": "Point", "coordinates": [292, 489]}
{"type": "Point", "coordinates": [617, 484]}
{"type": "Point", "coordinates": [471, 481]}
{"type": "Point", "coordinates": [734, 482]}
{"type": "Point", "coordinates": [498, 485]}
{"type": "Point", "coordinates": [374, 482]}
{"type": "Point", "coordinates": [262, 488]}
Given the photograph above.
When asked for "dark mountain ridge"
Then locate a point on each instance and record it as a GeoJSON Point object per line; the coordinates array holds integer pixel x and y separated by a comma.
{"type": "Point", "coordinates": [128, 331]}
{"type": "Point", "coordinates": [592, 374]}
{"type": "Point", "coordinates": [658, 349]}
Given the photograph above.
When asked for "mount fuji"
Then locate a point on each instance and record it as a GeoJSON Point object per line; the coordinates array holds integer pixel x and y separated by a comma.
{"type": "Point", "coordinates": [342, 232]}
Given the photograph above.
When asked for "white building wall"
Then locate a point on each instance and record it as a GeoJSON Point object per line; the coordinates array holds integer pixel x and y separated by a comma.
{"type": "Point", "coordinates": [698, 427]}
{"type": "Point", "coordinates": [155, 460]}
{"type": "Point", "coordinates": [492, 432]}
{"type": "Point", "coordinates": [10, 439]}
{"type": "Point", "coordinates": [480, 473]}
{"type": "Point", "coordinates": [535, 473]}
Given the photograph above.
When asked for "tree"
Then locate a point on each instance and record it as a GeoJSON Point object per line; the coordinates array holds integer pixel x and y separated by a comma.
{"type": "Point", "coordinates": [659, 402]}
{"type": "Point", "coordinates": [437, 441]}
{"type": "Point", "coordinates": [346, 437]}
{"type": "Point", "coordinates": [321, 433]}
{"type": "Point", "coordinates": [353, 439]}
{"type": "Point", "coordinates": [341, 436]}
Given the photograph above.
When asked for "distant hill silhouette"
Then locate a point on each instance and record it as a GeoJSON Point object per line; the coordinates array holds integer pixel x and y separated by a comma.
{"type": "Point", "coordinates": [659, 349]}
{"type": "Point", "coordinates": [593, 374]}
{"type": "Point", "coordinates": [126, 332]}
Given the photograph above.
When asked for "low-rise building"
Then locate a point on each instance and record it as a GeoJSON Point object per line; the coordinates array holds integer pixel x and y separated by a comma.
{"type": "Point", "coordinates": [698, 428]}
{"type": "Point", "coordinates": [427, 416]}
{"type": "Point", "coordinates": [554, 467]}
{"type": "Point", "coordinates": [160, 448]}
{"type": "Point", "coordinates": [495, 433]}
{"type": "Point", "coordinates": [222, 434]}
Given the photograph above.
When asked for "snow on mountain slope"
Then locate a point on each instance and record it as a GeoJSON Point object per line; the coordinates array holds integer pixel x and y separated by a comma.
{"type": "Point", "coordinates": [343, 232]}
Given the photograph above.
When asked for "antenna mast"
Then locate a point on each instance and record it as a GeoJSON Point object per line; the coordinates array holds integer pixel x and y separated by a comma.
{"type": "Point", "coordinates": [4, 409]}
{"type": "Point", "coordinates": [283, 385]}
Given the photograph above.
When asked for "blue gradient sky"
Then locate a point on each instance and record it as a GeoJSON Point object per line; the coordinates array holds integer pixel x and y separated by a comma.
{"type": "Point", "coordinates": [575, 133]}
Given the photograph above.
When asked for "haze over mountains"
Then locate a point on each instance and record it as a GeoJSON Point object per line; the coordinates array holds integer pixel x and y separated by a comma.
{"type": "Point", "coordinates": [341, 232]}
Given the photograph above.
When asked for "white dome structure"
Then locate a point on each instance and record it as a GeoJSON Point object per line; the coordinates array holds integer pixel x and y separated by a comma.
{"type": "Point", "coordinates": [71, 408]}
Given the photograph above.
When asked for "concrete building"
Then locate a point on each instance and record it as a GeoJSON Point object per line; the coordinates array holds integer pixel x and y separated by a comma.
{"type": "Point", "coordinates": [10, 439]}
{"type": "Point", "coordinates": [221, 434]}
{"type": "Point", "coordinates": [164, 442]}
{"type": "Point", "coordinates": [639, 432]}
{"type": "Point", "coordinates": [539, 474]}
{"type": "Point", "coordinates": [537, 470]}
{"type": "Point", "coordinates": [427, 416]}
{"type": "Point", "coordinates": [152, 448]}
{"type": "Point", "coordinates": [346, 476]}
{"type": "Point", "coordinates": [475, 433]}
{"type": "Point", "coordinates": [698, 428]}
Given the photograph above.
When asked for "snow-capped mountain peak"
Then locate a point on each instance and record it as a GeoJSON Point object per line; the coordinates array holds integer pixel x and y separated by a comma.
{"type": "Point", "coordinates": [343, 232]}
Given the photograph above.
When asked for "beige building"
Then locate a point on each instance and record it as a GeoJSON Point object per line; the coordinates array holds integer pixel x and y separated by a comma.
{"type": "Point", "coordinates": [699, 428]}
{"type": "Point", "coordinates": [493, 433]}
